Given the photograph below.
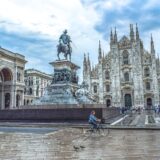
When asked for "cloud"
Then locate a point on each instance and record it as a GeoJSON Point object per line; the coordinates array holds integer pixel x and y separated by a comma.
{"type": "Point", "coordinates": [33, 27]}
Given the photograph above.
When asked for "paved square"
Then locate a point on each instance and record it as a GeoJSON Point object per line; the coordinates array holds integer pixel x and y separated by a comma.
{"type": "Point", "coordinates": [61, 145]}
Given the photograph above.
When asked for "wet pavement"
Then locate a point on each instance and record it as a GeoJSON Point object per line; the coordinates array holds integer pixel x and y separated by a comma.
{"type": "Point", "coordinates": [27, 130]}
{"type": "Point", "coordinates": [65, 144]}
{"type": "Point", "coordinates": [49, 142]}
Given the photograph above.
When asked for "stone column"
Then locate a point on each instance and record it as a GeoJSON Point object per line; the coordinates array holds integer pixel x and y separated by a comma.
{"type": "Point", "coordinates": [22, 99]}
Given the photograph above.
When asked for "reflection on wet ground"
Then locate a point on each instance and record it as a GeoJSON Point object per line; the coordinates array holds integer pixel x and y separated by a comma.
{"type": "Point", "coordinates": [65, 144]}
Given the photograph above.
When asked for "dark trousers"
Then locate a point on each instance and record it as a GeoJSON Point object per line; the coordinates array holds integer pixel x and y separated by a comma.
{"type": "Point", "coordinates": [94, 125]}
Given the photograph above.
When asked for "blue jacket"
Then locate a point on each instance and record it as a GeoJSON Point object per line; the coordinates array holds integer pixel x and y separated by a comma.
{"type": "Point", "coordinates": [92, 118]}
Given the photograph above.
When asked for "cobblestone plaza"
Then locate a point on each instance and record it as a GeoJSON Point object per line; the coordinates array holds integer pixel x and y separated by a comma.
{"type": "Point", "coordinates": [119, 145]}
{"type": "Point", "coordinates": [42, 143]}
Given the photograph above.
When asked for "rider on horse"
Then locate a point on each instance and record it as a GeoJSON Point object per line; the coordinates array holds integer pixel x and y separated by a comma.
{"type": "Point", "coordinates": [64, 45]}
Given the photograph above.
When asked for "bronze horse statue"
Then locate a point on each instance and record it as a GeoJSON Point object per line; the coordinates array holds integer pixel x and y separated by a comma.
{"type": "Point", "coordinates": [66, 50]}
{"type": "Point", "coordinates": [64, 46]}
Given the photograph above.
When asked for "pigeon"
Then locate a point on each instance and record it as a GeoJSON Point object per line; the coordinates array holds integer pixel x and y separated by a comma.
{"type": "Point", "coordinates": [82, 147]}
{"type": "Point", "coordinates": [76, 148]}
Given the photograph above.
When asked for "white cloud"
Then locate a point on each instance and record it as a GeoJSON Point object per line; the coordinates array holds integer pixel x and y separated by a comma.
{"type": "Point", "coordinates": [51, 18]}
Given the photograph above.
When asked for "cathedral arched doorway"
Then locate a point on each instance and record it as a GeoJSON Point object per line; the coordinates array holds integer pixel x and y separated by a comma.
{"type": "Point", "coordinates": [149, 102]}
{"type": "Point", "coordinates": [128, 100]}
{"type": "Point", "coordinates": [108, 102]}
{"type": "Point", "coordinates": [7, 100]}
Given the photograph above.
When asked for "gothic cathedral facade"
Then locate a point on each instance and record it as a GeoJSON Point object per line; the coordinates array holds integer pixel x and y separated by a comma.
{"type": "Point", "coordinates": [127, 76]}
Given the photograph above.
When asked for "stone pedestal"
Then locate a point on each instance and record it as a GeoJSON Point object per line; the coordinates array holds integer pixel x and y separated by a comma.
{"type": "Point", "coordinates": [65, 72]}
{"type": "Point", "coordinates": [64, 84]}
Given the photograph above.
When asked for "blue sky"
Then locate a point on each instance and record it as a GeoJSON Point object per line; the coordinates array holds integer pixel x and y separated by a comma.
{"type": "Point", "coordinates": [32, 28]}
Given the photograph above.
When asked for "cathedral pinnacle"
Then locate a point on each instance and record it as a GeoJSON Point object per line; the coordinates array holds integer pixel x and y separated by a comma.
{"type": "Point", "coordinates": [152, 45]}
{"type": "Point", "coordinates": [85, 60]}
{"type": "Point", "coordinates": [137, 33]}
{"type": "Point", "coordinates": [115, 36]}
{"type": "Point", "coordinates": [88, 61]}
{"type": "Point", "coordinates": [111, 36]}
{"type": "Point", "coordinates": [131, 33]}
{"type": "Point", "coordinates": [99, 51]}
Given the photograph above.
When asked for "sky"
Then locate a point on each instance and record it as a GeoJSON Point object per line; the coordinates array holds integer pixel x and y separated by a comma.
{"type": "Point", "coordinates": [32, 28]}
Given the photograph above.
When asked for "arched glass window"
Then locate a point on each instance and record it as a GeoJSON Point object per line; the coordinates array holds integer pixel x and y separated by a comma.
{"type": "Point", "coordinates": [125, 58]}
{"type": "Point", "coordinates": [107, 88]}
{"type": "Point", "coordinates": [148, 86]}
{"type": "Point", "coordinates": [146, 72]}
{"type": "Point", "coordinates": [107, 75]}
{"type": "Point", "coordinates": [126, 76]}
{"type": "Point", "coordinates": [30, 91]}
{"type": "Point", "coordinates": [95, 88]}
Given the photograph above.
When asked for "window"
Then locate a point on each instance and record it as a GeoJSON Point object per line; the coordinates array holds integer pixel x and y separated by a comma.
{"type": "Point", "coordinates": [25, 90]}
{"type": "Point", "coordinates": [37, 91]}
{"type": "Point", "coordinates": [148, 86]}
{"type": "Point", "coordinates": [107, 88]}
{"type": "Point", "coordinates": [125, 58]}
{"type": "Point", "coordinates": [30, 91]}
{"type": "Point", "coordinates": [18, 77]}
{"type": "Point", "coordinates": [28, 102]}
{"type": "Point", "coordinates": [146, 72]}
{"type": "Point", "coordinates": [95, 88]}
{"type": "Point", "coordinates": [107, 75]}
{"type": "Point", "coordinates": [126, 76]}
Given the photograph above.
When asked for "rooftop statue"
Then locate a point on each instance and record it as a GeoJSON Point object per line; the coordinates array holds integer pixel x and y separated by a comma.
{"type": "Point", "coordinates": [64, 46]}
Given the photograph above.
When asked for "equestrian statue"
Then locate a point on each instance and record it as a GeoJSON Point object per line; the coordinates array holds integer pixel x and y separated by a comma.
{"type": "Point", "coordinates": [64, 46]}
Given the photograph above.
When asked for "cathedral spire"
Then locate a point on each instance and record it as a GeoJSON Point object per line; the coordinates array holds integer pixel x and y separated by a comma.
{"type": "Point", "coordinates": [131, 33]}
{"type": "Point", "coordinates": [84, 60]}
{"type": "Point", "coordinates": [88, 62]}
{"type": "Point", "coordinates": [99, 51]}
{"type": "Point", "coordinates": [84, 63]}
{"type": "Point", "coordinates": [137, 33]}
{"type": "Point", "coordinates": [152, 46]}
{"type": "Point", "coordinates": [115, 36]}
{"type": "Point", "coordinates": [111, 37]}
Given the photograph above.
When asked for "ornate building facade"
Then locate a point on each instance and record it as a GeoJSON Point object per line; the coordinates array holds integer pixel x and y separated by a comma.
{"type": "Point", "coordinates": [11, 79]}
{"type": "Point", "coordinates": [35, 84]}
{"type": "Point", "coordinates": [128, 75]}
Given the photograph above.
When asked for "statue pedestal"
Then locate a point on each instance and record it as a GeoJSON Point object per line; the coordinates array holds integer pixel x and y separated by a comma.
{"type": "Point", "coordinates": [65, 72]}
{"type": "Point", "coordinates": [64, 84]}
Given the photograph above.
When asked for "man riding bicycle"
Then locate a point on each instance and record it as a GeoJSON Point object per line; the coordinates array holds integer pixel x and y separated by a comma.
{"type": "Point", "coordinates": [93, 120]}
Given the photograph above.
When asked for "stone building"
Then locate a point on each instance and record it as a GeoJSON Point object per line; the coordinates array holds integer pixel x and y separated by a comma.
{"type": "Point", "coordinates": [35, 84]}
{"type": "Point", "coordinates": [11, 79]}
{"type": "Point", "coordinates": [128, 75]}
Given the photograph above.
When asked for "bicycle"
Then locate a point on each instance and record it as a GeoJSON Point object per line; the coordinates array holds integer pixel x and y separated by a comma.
{"type": "Point", "coordinates": [99, 129]}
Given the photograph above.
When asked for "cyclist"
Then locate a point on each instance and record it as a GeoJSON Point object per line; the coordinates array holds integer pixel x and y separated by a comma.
{"type": "Point", "coordinates": [93, 120]}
